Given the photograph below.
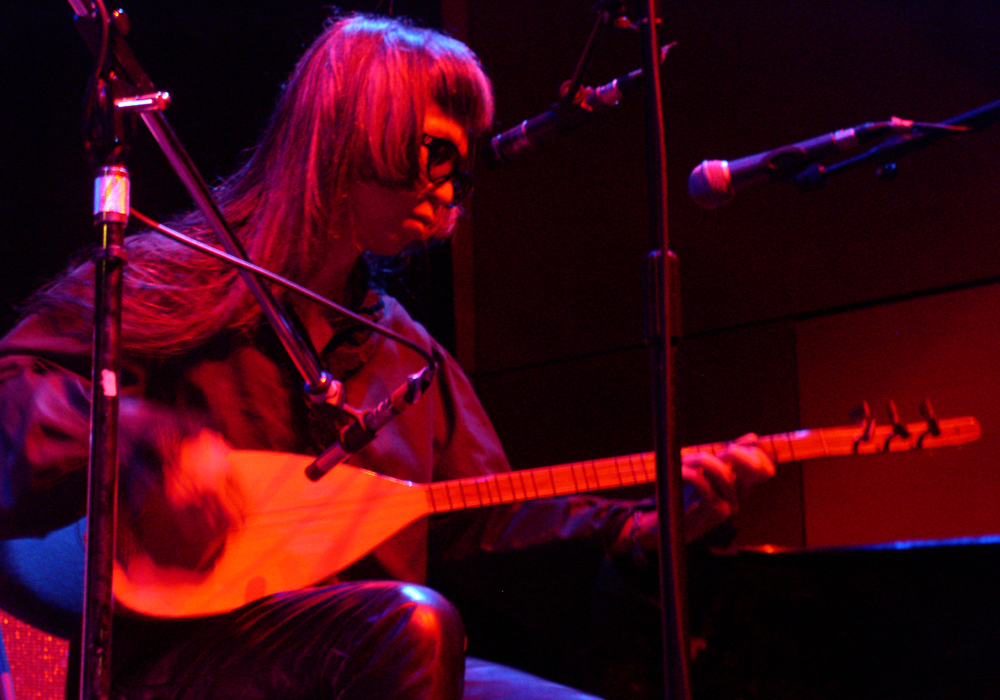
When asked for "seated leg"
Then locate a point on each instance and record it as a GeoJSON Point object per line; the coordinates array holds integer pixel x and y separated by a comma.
{"type": "Point", "coordinates": [354, 641]}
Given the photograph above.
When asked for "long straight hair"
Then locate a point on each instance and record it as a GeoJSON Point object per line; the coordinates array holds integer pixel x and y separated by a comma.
{"type": "Point", "coordinates": [352, 110]}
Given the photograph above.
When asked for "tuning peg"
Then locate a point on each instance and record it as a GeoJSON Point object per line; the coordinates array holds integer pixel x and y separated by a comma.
{"type": "Point", "coordinates": [897, 425]}
{"type": "Point", "coordinates": [928, 414]}
{"type": "Point", "coordinates": [862, 415]}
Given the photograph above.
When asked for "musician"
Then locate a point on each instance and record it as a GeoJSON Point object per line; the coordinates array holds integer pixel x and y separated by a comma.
{"type": "Point", "coordinates": [366, 157]}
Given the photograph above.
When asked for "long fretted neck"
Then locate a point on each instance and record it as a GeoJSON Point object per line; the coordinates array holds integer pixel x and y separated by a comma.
{"type": "Point", "coordinates": [544, 482]}
{"type": "Point", "coordinates": [614, 472]}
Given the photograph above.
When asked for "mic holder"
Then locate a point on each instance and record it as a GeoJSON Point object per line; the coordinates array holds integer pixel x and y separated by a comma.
{"type": "Point", "coordinates": [360, 428]}
{"type": "Point", "coordinates": [570, 88]}
{"type": "Point", "coordinates": [319, 384]}
{"type": "Point", "coordinates": [320, 387]}
{"type": "Point", "coordinates": [566, 114]}
{"type": "Point", "coordinates": [563, 116]}
{"type": "Point", "coordinates": [919, 136]}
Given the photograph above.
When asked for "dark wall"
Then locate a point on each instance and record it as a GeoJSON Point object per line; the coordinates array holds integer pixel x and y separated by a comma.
{"type": "Point", "coordinates": [743, 78]}
{"type": "Point", "coordinates": [552, 326]}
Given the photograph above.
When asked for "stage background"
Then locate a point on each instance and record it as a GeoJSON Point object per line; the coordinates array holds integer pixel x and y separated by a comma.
{"type": "Point", "coordinates": [796, 307]}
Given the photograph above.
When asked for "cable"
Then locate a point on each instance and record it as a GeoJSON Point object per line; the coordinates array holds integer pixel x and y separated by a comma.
{"type": "Point", "coordinates": [278, 279]}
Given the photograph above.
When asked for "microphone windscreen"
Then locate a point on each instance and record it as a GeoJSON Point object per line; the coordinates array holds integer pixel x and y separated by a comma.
{"type": "Point", "coordinates": [711, 184]}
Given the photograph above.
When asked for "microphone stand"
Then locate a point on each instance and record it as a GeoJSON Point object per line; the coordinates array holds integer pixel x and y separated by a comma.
{"type": "Point", "coordinates": [121, 90]}
{"type": "Point", "coordinates": [106, 146]}
{"type": "Point", "coordinates": [128, 91]}
{"type": "Point", "coordinates": [886, 153]}
{"type": "Point", "coordinates": [660, 323]}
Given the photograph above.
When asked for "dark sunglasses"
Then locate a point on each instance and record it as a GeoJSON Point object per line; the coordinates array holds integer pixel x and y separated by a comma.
{"type": "Point", "coordinates": [444, 163]}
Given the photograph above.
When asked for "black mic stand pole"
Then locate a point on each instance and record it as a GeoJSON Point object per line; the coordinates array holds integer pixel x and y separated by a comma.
{"type": "Point", "coordinates": [660, 323]}
{"type": "Point", "coordinates": [122, 90]}
{"type": "Point", "coordinates": [106, 149]}
{"type": "Point", "coordinates": [885, 154]}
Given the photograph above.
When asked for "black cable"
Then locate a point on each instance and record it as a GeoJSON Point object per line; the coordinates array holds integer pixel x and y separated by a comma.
{"type": "Point", "coordinates": [278, 279]}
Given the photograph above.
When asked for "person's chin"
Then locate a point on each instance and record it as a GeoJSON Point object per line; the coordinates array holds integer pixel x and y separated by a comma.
{"type": "Point", "coordinates": [415, 228]}
{"type": "Point", "coordinates": [417, 232]}
{"type": "Point", "coordinates": [411, 237]}
{"type": "Point", "coordinates": [422, 238]}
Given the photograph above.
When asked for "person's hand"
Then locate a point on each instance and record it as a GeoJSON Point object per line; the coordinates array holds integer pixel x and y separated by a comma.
{"type": "Point", "coordinates": [720, 481]}
{"type": "Point", "coordinates": [202, 469]}
{"type": "Point", "coordinates": [182, 519]}
{"type": "Point", "coordinates": [717, 481]}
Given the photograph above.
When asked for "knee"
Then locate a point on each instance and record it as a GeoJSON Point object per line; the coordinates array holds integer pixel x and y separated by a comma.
{"type": "Point", "coordinates": [411, 644]}
{"type": "Point", "coordinates": [427, 616]}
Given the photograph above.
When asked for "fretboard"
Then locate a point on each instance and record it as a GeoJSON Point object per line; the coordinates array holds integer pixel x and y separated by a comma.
{"type": "Point", "coordinates": [615, 472]}
{"type": "Point", "coordinates": [543, 482]}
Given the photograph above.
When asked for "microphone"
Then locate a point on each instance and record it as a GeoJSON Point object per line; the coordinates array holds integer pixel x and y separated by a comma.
{"type": "Point", "coordinates": [529, 134]}
{"type": "Point", "coordinates": [716, 182]}
{"type": "Point", "coordinates": [364, 426]}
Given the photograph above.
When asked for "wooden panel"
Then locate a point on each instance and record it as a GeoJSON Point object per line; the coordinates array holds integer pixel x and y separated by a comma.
{"type": "Point", "coordinates": [592, 407]}
{"type": "Point", "coordinates": [946, 347]}
{"type": "Point", "coordinates": [739, 381]}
